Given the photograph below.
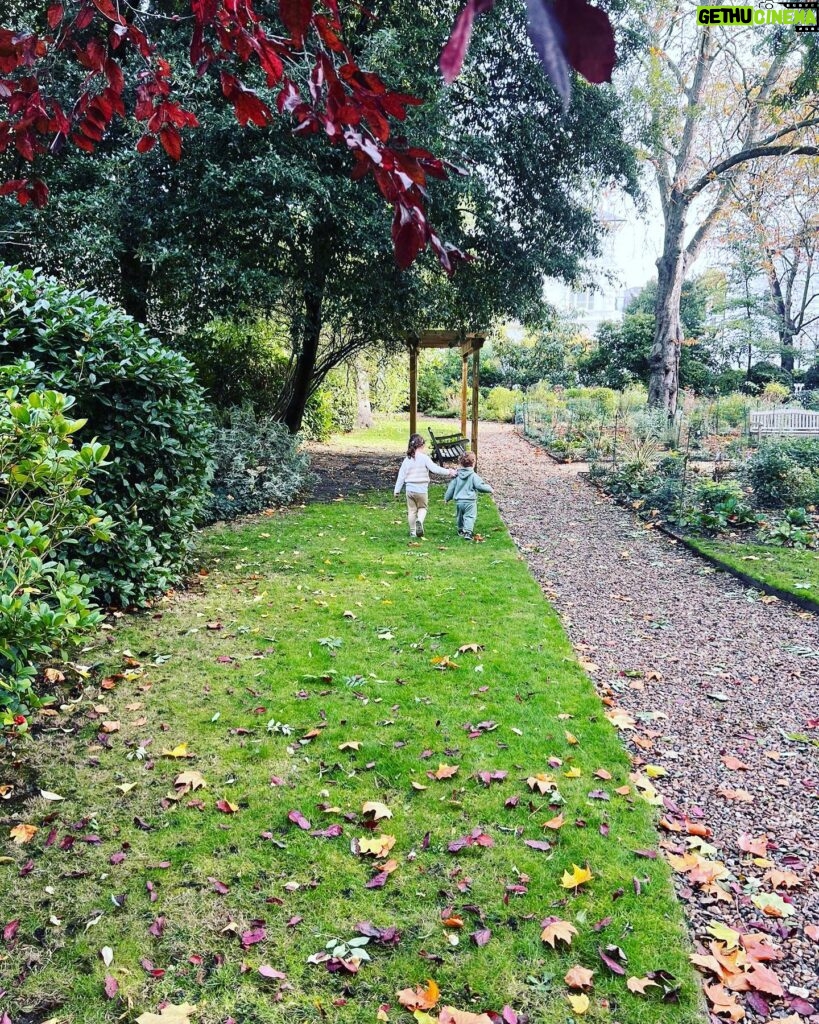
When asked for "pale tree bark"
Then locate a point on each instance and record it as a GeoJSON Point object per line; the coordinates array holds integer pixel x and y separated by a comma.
{"type": "Point", "coordinates": [364, 409]}
{"type": "Point", "coordinates": [696, 155]}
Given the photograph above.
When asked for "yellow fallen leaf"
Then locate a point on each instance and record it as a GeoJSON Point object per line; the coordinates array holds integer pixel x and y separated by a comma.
{"type": "Point", "coordinates": [350, 745]}
{"type": "Point", "coordinates": [555, 823]}
{"type": "Point", "coordinates": [185, 782]}
{"type": "Point", "coordinates": [446, 771]}
{"type": "Point", "coordinates": [22, 834]}
{"type": "Point", "coordinates": [419, 998]}
{"type": "Point", "coordinates": [541, 782]}
{"type": "Point", "coordinates": [579, 1004]}
{"type": "Point", "coordinates": [772, 905]}
{"type": "Point", "coordinates": [181, 750]}
{"type": "Point", "coordinates": [571, 739]}
{"type": "Point", "coordinates": [169, 1014]}
{"type": "Point", "coordinates": [577, 877]}
{"type": "Point", "coordinates": [126, 787]}
{"type": "Point", "coordinates": [654, 771]}
{"type": "Point", "coordinates": [573, 773]}
{"type": "Point", "coordinates": [378, 846]}
{"type": "Point", "coordinates": [724, 934]}
{"type": "Point", "coordinates": [558, 931]}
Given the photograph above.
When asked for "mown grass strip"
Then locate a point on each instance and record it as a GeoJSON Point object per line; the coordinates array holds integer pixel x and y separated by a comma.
{"type": "Point", "coordinates": [244, 650]}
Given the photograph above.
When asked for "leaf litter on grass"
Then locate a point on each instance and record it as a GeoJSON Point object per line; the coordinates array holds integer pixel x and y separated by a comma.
{"type": "Point", "coordinates": [254, 853]}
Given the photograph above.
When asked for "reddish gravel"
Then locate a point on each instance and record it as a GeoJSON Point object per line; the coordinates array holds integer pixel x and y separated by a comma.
{"type": "Point", "coordinates": [736, 675]}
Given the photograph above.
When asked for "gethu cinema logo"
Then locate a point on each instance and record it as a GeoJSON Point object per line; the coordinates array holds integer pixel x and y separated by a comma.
{"type": "Point", "coordinates": [755, 16]}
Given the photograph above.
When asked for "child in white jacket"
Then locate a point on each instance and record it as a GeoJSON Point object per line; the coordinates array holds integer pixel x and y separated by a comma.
{"type": "Point", "coordinates": [414, 474]}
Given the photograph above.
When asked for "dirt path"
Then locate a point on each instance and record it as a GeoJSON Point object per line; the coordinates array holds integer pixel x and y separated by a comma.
{"type": "Point", "coordinates": [710, 669]}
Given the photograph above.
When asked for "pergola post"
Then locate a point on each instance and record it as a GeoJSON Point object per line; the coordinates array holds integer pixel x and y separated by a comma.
{"type": "Point", "coordinates": [464, 388]}
{"type": "Point", "coordinates": [476, 379]}
{"type": "Point", "coordinates": [413, 389]}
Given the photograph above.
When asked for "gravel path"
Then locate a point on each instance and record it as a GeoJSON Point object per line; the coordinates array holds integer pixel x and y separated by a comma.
{"type": "Point", "coordinates": [707, 670]}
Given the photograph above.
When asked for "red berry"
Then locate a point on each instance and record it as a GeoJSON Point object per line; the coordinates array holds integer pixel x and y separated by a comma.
{"type": "Point", "coordinates": [19, 719]}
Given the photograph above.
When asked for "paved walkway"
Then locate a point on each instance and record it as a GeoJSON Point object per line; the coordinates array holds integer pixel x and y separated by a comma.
{"type": "Point", "coordinates": [708, 670]}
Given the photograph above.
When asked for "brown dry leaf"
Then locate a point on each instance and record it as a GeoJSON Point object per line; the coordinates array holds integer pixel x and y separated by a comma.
{"type": "Point", "coordinates": [474, 648]}
{"type": "Point", "coordinates": [169, 1014]}
{"type": "Point", "coordinates": [733, 764]}
{"type": "Point", "coordinates": [758, 846]}
{"type": "Point", "coordinates": [571, 739]}
{"type": "Point", "coordinates": [110, 727]}
{"type": "Point", "coordinates": [453, 922]}
{"type": "Point", "coordinates": [378, 846]}
{"type": "Point", "coordinates": [449, 1015]}
{"type": "Point", "coordinates": [812, 932]}
{"type": "Point", "coordinates": [555, 823]}
{"type": "Point", "coordinates": [779, 878]}
{"type": "Point", "coordinates": [740, 795]}
{"type": "Point", "coordinates": [187, 782]}
{"type": "Point", "coordinates": [621, 719]}
{"type": "Point", "coordinates": [419, 786]}
{"type": "Point", "coordinates": [419, 998]}
{"type": "Point", "coordinates": [22, 834]}
{"type": "Point", "coordinates": [444, 662]}
{"type": "Point", "coordinates": [54, 675]}
{"type": "Point", "coordinates": [558, 931]}
{"type": "Point", "coordinates": [579, 977]}
{"type": "Point", "coordinates": [623, 790]}
{"type": "Point", "coordinates": [639, 985]}
{"type": "Point", "coordinates": [350, 745]}
{"type": "Point", "coordinates": [723, 1002]}
{"type": "Point", "coordinates": [376, 810]}
{"type": "Point", "coordinates": [541, 782]}
{"type": "Point", "coordinates": [446, 771]}
{"type": "Point", "coordinates": [601, 773]}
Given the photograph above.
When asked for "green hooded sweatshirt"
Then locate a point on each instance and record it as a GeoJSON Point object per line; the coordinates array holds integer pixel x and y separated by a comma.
{"type": "Point", "coordinates": [466, 485]}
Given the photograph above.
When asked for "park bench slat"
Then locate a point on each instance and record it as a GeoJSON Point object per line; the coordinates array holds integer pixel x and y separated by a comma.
{"type": "Point", "coordinates": [798, 422]}
{"type": "Point", "coordinates": [447, 448]}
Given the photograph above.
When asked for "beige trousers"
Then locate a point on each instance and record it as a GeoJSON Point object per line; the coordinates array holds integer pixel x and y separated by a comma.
{"type": "Point", "coordinates": [416, 509]}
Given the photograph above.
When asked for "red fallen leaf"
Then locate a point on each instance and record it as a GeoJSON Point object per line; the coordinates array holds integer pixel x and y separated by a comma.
{"type": "Point", "coordinates": [152, 893]}
{"type": "Point", "coordinates": [377, 881]}
{"type": "Point", "coordinates": [538, 844]}
{"type": "Point", "coordinates": [603, 923]}
{"type": "Point", "coordinates": [226, 807]}
{"type": "Point", "coordinates": [333, 832]}
{"type": "Point", "coordinates": [604, 829]}
{"type": "Point", "coordinates": [10, 930]}
{"type": "Point", "coordinates": [801, 1006]}
{"type": "Point", "coordinates": [116, 858]}
{"type": "Point", "coordinates": [224, 659]}
{"type": "Point", "coordinates": [649, 854]}
{"type": "Point", "coordinates": [252, 936]}
{"type": "Point", "coordinates": [157, 929]}
{"type": "Point", "coordinates": [276, 781]}
{"type": "Point", "coordinates": [299, 819]}
{"type": "Point", "coordinates": [481, 936]}
{"type": "Point", "coordinates": [219, 887]}
{"type": "Point", "coordinates": [148, 967]}
{"type": "Point", "coordinates": [27, 868]}
{"type": "Point", "coordinates": [294, 921]}
{"type": "Point", "coordinates": [758, 1004]}
{"type": "Point", "coordinates": [614, 958]}
{"type": "Point", "coordinates": [269, 972]}
{"type": "Point", "coordinates": [763, 979]}
{"type": "Point", "coordinates": [110, 986]}
{"type": "Point", "coordinates": [487, 778]}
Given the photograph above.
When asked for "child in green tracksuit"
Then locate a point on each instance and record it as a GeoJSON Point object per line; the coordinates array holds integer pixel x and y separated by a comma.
{"type": "Point", "coordinates": [464, 491]}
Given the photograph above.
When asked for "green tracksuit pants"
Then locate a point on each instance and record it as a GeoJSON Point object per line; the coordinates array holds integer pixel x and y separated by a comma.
{"type": "Point", "coordinates": [466, 512]}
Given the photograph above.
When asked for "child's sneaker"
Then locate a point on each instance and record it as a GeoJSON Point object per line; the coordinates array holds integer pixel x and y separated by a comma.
{"type": "Point", "coordinates": [419, 529]}
{"type": "Point", "coordinates": [467, 536]}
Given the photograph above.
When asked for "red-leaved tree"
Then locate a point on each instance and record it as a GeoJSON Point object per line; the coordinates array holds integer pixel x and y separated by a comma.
{"type": "Point", "coordinates": [113, 50]}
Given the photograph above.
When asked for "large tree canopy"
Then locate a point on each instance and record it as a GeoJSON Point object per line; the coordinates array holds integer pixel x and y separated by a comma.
{"type": "Point", "coordinates": [264, 222]}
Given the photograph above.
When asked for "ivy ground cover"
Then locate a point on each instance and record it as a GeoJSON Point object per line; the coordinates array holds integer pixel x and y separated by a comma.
{"type": "Point", "coordinates": [339, 767]}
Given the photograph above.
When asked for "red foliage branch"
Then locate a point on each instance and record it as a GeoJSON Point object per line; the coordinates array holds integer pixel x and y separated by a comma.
{"type": "Point", "coordinates": [348, 105]}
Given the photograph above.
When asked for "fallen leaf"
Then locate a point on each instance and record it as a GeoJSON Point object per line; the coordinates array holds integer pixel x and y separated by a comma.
{"type": "Point", "coordinates": [577, 877]}
{"type": "Point", "coordinates": [375, 810]}
{"type": "Point", "coordinates": [271, 973]}
{"type": "Point", "coordinates": [169, 1014]}
{"type": "Point", "coordinates": [109, 727]}
{"type": "Point", "coordinates": [555, 930]}
{"type": "Point", "coordinates": [444, 771]}
{"type": "Point", "coordinates": [639, 985]}
{"type": "Point", "coordinates": [772, 905]}
{"type": "Point", "coordinates": [420, 998]}
{"type": "Point", "coordinates": [621, 719]}
{"type": "Point", "coordinates": [48, 795]}
{"type": "Point", "coordinates": [181, 750]}
{"type": "Point", "coordinates": [733, 764]}
{"type": "Point", "coordinates": [299, 819]}
{"type": "Point", "coordinates": [350, 745]}
{"type": "Point", "coordinates": [449, 1015]}
{"type": "Point", "coordinates": [579, 977]}
{"type": "Point", "coordinates": [22, 834]}
{"type": "Point", "coordinates": [378, 846]}
{"type": "Point", "coordinates": [187, 782]}
{"type": "Point", "coordinates": [226, 807]}
{"type": "Point", "coordinates": [555, 823]}
{"type": "Point", "coordinates": [579, 1004]}
{"type": "Point", "coordinates": [812, 932]}
{"type": "Point", "coordinates": [474, 648]}
{"type": "Point", "coordinates": [758, 846]}
{"type": "Point", "coordinates": [110, 987]}
{"type": "Point", "coordinates": [541, 782]}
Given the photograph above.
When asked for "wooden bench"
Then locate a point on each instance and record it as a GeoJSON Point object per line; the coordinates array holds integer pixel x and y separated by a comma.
{"type": "Point", "coordinates": [449, 448]}
{"type": "Point", "coordinates": [784, 422]}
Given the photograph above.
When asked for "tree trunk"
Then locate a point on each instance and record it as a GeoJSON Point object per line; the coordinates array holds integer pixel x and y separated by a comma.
{"type": "Point", "coordinates": [136, 278]}
{"type": "Point", "coordinates": [664, 361]}
{"type": "Point", "coordinates": [783, 321]}
{"type": "Point", "coordinates": [302, 378]}
{"type": "Point", "coordinates": [364, 412]}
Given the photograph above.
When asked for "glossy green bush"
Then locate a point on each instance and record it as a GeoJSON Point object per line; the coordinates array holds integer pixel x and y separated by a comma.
{"type": "Point", "coordinates": [138, 395]}
{"type": "Point", "coordinates": [257, 465]}
{"type": "Point", "coordinates": [45, 596]}
{"type": "Point", "coordinates": [783, 473]}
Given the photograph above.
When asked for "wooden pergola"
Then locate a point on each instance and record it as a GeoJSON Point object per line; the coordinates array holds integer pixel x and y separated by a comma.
{"type": "Point", "coordinates": [469, 345]}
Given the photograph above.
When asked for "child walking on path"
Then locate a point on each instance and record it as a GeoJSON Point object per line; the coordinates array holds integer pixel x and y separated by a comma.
{"type": "Point", "coordinates": [464, 491]}
{"type": "Point", "coordinates": [414, 473]}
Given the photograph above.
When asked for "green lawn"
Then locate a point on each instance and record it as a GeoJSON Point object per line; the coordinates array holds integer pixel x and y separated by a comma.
{"type": "Point", "coordinates": [326, 620]}
{"type": "Point", "coordinates": [794, 572]}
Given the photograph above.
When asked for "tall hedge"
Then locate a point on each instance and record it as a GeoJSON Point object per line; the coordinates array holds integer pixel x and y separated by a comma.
{"type": "Point", "coordinates": [142, 399]}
